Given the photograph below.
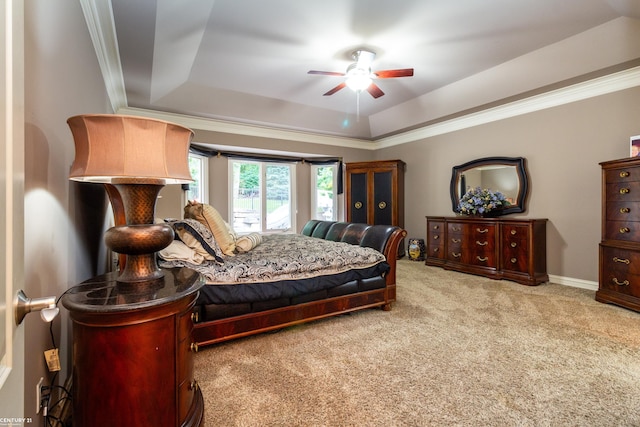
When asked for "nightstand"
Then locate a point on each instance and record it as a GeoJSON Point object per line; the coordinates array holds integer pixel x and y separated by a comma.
{"type": "Point", "coordinates": [133, 351]}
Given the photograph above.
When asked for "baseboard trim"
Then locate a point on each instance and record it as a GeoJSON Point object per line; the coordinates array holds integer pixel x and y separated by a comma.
{"type": "Point", "coordinates": [575, 283]}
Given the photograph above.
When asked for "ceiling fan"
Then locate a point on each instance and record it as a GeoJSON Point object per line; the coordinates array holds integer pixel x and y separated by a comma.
{"type": "Point", "coordinates": [359, 76]}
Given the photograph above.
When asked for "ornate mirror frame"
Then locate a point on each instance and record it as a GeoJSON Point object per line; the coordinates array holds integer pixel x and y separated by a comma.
{"type": "Point", "coordinates": [519, 163]}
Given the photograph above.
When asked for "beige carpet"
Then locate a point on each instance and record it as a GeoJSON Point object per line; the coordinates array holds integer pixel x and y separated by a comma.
{"type": "Point", "coordinates": [455, 350]}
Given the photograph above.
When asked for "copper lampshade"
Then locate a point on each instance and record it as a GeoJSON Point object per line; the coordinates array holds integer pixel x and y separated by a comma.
{"type": "Point", "coordinates": [111, 146]}
{"type": "Point", "coordinates": [136, 157]}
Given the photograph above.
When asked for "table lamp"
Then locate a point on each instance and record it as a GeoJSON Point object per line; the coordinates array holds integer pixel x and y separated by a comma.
{"type": "Point", "coordinates": [135, 157]}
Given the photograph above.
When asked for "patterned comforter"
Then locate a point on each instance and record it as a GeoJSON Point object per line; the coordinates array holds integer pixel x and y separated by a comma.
{"type": "Point", "coordinates": [286, 257]}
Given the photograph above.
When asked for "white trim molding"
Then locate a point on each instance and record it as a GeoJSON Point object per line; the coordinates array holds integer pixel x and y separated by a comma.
{"type": "Point", "coordinates": [599, 86]}
{"type": "Point", "coordinates": [574, 283]}
{"type": "Point", "coordinates": [101, 25]}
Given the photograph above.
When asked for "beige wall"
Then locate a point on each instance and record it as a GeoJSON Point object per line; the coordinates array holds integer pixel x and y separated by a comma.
{"type": "Point", "coordinates": [563, 147]}
{"type": "Point", "coordinates": [63, 220]}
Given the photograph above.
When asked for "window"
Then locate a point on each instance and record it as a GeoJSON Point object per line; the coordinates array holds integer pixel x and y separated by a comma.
{"type": "Point", "coordinates": [198, 189]}
{"type": "Point", "coordinates": [261, 196]}
{"type": "Point", "coordinates": [323, 192]}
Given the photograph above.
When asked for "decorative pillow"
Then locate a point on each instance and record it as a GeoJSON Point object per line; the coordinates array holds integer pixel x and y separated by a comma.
{"type": "Point", "coordinates": [199, 238]}
{"type": "Point", "coordinates": [177, 250]}
{"type": "Point", "coordinates": [207, 215]}
{"type": "Point", "coordinates": [247, 242]}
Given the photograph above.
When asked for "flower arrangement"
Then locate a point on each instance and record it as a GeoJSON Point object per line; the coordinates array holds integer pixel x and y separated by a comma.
{"type": "Point", "coordinates": [480, 201]}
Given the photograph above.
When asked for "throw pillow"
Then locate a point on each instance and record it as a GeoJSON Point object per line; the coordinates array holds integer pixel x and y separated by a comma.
{"type": "Point", "coordinates": [247, 242]}
{"type": "Point", "coordinates": [210, 217]}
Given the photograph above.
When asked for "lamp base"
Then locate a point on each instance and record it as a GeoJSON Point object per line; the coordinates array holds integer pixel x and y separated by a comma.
{"type": "Point", "coordinates": [140, 238]}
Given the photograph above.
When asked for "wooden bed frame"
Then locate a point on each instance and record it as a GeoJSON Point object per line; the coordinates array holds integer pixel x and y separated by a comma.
{"type": "Point", "coordinates": [219, 330]}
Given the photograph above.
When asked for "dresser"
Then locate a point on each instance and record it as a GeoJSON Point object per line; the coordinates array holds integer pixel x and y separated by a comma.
{"type": "Point", "coordinates": [374, 193]}
{"type": "Point", "coordinates": [511, 249]}
{"type": "Point", "coordinates": [133, 352]}
{"type": "Point", "coordinates": [619, 268]}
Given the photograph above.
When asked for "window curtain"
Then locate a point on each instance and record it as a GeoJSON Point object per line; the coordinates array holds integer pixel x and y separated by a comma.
{"type": "Point", "coordinates": [280, 159]}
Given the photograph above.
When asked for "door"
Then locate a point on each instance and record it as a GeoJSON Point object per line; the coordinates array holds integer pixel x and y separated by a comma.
{"type": "Point", "coordinates": [11, 210]}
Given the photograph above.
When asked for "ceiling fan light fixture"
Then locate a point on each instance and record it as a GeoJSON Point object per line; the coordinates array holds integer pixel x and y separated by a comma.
{"type": "Point", "coordinates": [358, 79]}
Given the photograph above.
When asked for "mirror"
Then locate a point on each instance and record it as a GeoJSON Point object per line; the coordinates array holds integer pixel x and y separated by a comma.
{"type": "Point", "coordinates": [505, 174]}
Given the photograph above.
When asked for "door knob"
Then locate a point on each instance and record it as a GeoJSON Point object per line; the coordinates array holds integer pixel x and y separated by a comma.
{"type": "Point", "coordinates": [23, 305]}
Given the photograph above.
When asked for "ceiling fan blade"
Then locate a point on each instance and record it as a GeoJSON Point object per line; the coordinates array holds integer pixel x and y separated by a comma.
{"type": "Point", "coordinates": [335, 89]}
{"type": "Point", "coordinates": [326, 73]}
{"type": "Point", "coordinates": [387, 74]}
{"type": "Point", "coordinates": [375, 91]}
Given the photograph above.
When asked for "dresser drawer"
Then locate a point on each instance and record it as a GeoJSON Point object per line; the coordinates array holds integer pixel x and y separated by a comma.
{"type": "Point", "coordinates": [186, 394]}
{"type": "Point", "coordinates": [621, 282]}
{"type": "Point", "coordinates": [483, 258]}
{"type": "Point", "coordinates": [622, 261]}
{"type": "Point", "coordinates": [623, 174]}
{"type": "Point", "coordinates": [623, 191]}
{"type": "Point", "coordinates": [622, 230]}
{"type": "Point", "coordinates": [623, 211]}
{"type": "Point", "coordinates": [435, 239]}
{"type": "Point", "coordinates": [455, 252]}
{"type": "Point", "coordinates": [185, 350]}
{"type": "Point", "coordinates": [455, 229]}
{"type": "Point", "coordinates": [514, 261]}
{"type": "Point", "coordinates": [620, 270]}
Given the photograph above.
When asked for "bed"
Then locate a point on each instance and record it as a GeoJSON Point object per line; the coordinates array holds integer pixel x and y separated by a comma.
{"type": "Point", "coordinates": [280, 280]}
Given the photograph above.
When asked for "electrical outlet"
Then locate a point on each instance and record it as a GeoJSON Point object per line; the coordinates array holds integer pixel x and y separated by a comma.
{"type": "Point", "coordinates": [39, 394]}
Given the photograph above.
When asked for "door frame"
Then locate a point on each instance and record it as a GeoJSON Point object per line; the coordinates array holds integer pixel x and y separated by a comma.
{"type": "Point", "coordinates": [12, 128]}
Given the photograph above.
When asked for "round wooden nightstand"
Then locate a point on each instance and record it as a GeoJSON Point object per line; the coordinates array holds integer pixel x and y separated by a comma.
{"type": "Point", "coordinates": [133, 351]}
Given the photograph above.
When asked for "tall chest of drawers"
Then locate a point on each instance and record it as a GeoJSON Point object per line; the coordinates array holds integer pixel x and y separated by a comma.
{"type": "Point", "coordinates": [619, 277]}
{"type": "Point", "coordinates": [512, 249]}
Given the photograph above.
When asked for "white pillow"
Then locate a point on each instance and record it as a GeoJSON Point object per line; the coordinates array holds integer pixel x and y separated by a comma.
{"type": "Point", "coordinates": [178, 251]}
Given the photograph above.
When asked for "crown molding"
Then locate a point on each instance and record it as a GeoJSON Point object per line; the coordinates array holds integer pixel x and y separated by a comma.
{"type": "Point", "coordinates": [101, 25]}
{"type": "Point", "coordinates": [596, 87]}
{"type": "Point", "coordinates": [223, 126]}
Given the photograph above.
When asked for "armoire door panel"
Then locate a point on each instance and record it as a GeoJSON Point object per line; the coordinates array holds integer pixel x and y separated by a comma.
{"type": "Point", "coordinates": [358, 206]}
{"type": "Point", "coordinates": [383, 197]}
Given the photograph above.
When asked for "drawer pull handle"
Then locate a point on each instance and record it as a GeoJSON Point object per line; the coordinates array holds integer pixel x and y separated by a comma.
{"type": "Point", "coordinates": [625, 210]}
{"type": "Point", "coordinates": [382, 205]}
{"type": "Point", "coordinates": [456, 228]}
{"type": "Point", "coordinates": [514, 244]}
{"type": "Point", "coordinates": [482, 243]}
{"type": "Point", "coordinates": [513, 232]}
{"type": "Point", "coordinates": [624, 283]}
{"type": "Point", "coordinates": [624, 190]}
{"type": "Point", "coordinates": [621, 260]}
{"type": "Point", "coordinates": [624, 174]}
{"type": "Point", "coordinates": [484, 258]}
{"type": "Point", "coordinates": [193, 385]}
{"type": "Point", "coordinates": [357, 205]}
{"type": "Point", "coordinates": [513, 260]}
{"type": "Point", "coordinates": [194, 347]}
{"type": "Point", "coordinates": [456, 255]}
{"type": "Point", "coordinates": [436, 237]}
{"type": "Point", "coordinates": [484, 230]}
{"type": "Point", "coordinates": [624, 230]}
{"type": "Point", "coordinates": [195, 317]}
{"type": "Point", "coordinates": [456, 240]}
{"type": "Point", "coordinates": [436, 250]}
{"type": "Point", "coordinates": [436, 227]}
